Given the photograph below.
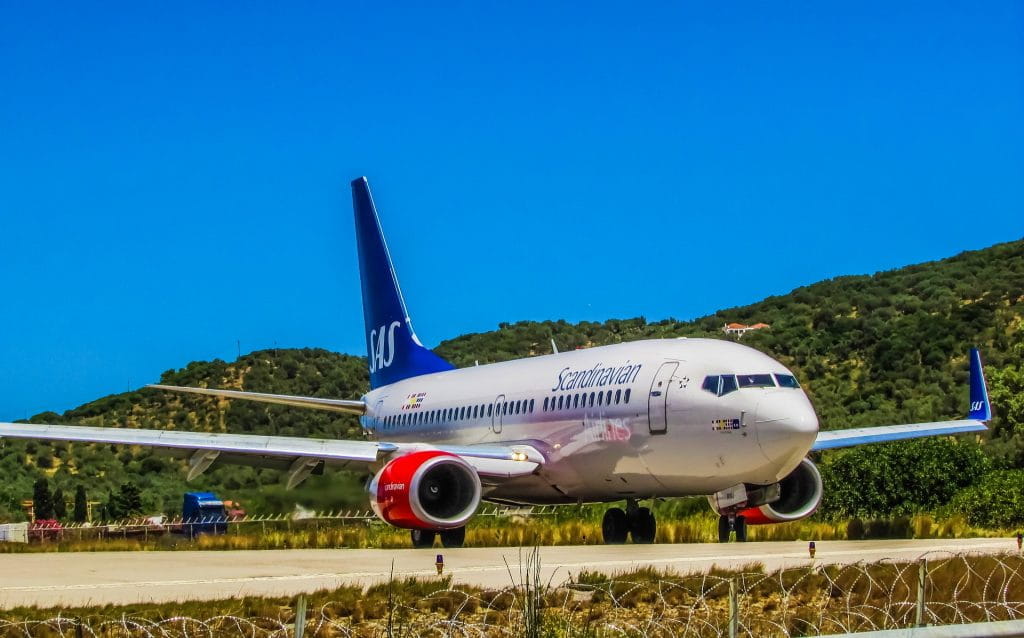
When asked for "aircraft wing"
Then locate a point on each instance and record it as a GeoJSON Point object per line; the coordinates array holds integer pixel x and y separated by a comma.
{"type": "Point", "coordinates": [334, 405]}
{"type": "Point", "coordinates": [860, 436]}
{"type": "Point", "coordinates": [980, 413]}
{"type": "Point", "coordinates": [300, 456]}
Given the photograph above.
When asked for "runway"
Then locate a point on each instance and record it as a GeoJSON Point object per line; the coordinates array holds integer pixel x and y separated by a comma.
{"type": "Point", "coordinates": [79, 579]}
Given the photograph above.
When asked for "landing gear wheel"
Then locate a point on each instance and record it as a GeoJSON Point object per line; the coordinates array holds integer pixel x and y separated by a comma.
{"type": "Point", "coordinates": [615, 527]}
{"type": "Point", "coordinates": [422, 538]}
{"type": "Point", "coordinates": [643, 527]}
{"type": "Point", "coordinates": [453, 537]}
{"type": "Point", "coordinates": [723, 529]}
{"type": "Point", "coordinates": [741, 529]}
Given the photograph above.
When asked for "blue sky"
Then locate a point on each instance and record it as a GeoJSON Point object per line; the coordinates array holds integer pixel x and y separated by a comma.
{"type": "Point", "coordinates": [175, 178]}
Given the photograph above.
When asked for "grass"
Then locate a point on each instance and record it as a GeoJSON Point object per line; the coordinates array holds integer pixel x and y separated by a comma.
{"type": "Point", "coordinates": [488, 532]}
{"type": "Point", "coordinates": [799, 601]}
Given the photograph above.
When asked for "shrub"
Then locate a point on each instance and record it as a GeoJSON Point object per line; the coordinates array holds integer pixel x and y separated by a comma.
{"type": "Point", "coordinates": [997, 500]}
{"type": "Point", "coordinates": [855, 529]}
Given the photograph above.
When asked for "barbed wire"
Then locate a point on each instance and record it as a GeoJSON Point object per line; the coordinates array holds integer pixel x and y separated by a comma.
{"type": "Point", "coordinates": [810, 600]}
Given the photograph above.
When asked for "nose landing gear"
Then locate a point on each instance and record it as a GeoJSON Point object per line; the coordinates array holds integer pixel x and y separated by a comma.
{"type": "Point", "coordinates": [636, 522]}
{"type": "Point", "coordinates": [729, 523]}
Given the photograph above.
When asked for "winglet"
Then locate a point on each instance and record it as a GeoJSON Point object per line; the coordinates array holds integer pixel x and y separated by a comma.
{"type": "Point", "coordinates": [981, 409]}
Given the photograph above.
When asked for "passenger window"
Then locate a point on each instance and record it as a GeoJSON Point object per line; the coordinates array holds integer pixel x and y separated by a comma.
{"type": "Point", "coordinates": [608, 398]}
{"type": "Point", "coordinates": [625, 398]}
{"type": "Point", "coordinates": [559, 402]}
{"type": "Point", "coordinates": [755, 380]}
{"type": "Point", "coordinates": [545, 404]}
{"type": "Point", "coordinates": [600, 396]}
{"type": "Point", "coordinates": [490, 410]}
{"type": "Point", "coordinates": [591, 399]}
{"type": "Point", "coordinates": [787, 381]}
{"type": "Point", "coordinates": [618, 395]}
{"type": "Point", "coordinates": [531, 406]}
{"type": "Point", "coordinates": [575, 401]}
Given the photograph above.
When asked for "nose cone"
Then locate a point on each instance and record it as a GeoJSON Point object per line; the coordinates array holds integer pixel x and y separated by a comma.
{"type": "Point", "coordinates": [786, 427]}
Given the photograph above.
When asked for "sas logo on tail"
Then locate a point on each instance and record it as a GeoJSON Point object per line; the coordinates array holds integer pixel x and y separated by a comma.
{"type": "Point", "coordinates": [382, 346]}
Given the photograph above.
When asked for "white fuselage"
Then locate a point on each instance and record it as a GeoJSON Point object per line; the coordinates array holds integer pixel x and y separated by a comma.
{"type": "Point", "coordinates": [674, 436]}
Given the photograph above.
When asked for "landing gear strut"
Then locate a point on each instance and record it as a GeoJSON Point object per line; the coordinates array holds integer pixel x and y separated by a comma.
{"type": "Point", "coordinates": [727, 524]}
{"type": "Point", "coordinates": [422, 538]}
{"type": "Point", "coordinates": [636, 522]}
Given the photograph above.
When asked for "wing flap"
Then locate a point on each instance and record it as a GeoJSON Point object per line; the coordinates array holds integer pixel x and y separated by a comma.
{"type": "Point", "coordinates": [333, 405]}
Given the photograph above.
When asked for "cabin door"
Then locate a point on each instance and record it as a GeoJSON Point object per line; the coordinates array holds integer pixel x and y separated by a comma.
{"type": "Point", "coordinates": [657, 400]}
{"type": "Point", "coordinates": [496, 414]}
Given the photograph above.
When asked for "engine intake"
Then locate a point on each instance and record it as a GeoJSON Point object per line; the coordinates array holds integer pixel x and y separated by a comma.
{"type": "Point", "coordinates": [429, 490]}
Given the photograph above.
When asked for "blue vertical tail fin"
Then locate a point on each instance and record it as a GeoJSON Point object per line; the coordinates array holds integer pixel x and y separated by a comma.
{"type": "Point", "coordinates": [393, 350]}
{"type": "Point", "coordinates": [981, 409]}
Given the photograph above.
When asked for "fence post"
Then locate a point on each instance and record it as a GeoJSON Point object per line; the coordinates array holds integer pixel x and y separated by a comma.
{"type": "Point", "coordinates": [300, 616]}
{"type": "Point", "coordinates": [922, 573]}
{"type": "Point", "coordinates": [734, 609]}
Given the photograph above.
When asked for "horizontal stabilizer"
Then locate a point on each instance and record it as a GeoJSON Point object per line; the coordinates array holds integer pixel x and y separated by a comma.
{"type": "Point", "coordinates": [334, 405]}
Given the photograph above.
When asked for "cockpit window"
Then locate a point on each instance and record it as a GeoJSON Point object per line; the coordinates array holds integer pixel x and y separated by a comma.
{"type": "Point", "coordinates": [787, 381]}
{"type": "Point", "coordinates": [755, 380]}
{"type": "Point", "coordinates": [719, 384]}
{"type": "Point", "coordinates": [728, 384]}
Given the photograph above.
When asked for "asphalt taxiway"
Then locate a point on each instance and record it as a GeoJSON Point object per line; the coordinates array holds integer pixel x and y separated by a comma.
{"type": "Point", "coordinates": [77, 579]}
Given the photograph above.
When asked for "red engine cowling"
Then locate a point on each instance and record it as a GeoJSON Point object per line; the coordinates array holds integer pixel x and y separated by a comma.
{"type": "Point", "coordinates": [429, 490]}
{"type": "Point", "coordinates": [799, 495]}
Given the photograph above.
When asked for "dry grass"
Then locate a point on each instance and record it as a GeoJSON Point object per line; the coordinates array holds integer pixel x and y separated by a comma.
{"type": "Point", "coordinates": [492, 532]}
{"type": "Point", "coordinates": [645, 602]}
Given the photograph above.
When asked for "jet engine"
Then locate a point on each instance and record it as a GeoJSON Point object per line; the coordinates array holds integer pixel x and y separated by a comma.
{"type": "Point", "coordinates": [429, 490]}
{"type": "Point", "coordinates": [799, 494]}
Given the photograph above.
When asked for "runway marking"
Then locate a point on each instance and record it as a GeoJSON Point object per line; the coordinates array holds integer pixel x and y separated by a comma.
{"type": "Point", "coordinates": [554, 565]}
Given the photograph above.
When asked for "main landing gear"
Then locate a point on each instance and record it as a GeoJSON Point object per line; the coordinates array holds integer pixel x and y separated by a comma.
{"type": "Point", "coordinates": [450, 538]}
{"type": "Point", "coordinates": [727, 524]}
{"type": "Point", "coordinates": [636, 522]}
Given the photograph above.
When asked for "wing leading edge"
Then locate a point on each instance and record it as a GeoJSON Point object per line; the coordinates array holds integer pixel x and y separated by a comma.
{"type": "Point", "coordinates": [334, 405]}
{"type": "Point", "coordinates": [979, 413]}
{"type": "Point", "coordinates": [301, 456]}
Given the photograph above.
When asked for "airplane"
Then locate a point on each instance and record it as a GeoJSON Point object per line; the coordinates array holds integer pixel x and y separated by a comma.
{"type": "Point", "coordinates": [628, 422]}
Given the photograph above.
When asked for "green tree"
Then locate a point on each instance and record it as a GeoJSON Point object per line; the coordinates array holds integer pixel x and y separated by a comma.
{"type": "Point", "coordinates": [81, 505]}
{"type": "Point", "coordinates": [42, 500]}
{"type": "Point", "coordinates": [996, 501]}
{"type": "Point", "coordinates": [60, 507]}
{"type": "Point", "coordinates": [899, 479]}
{"type": "Point", "coordinates": [127, 502]}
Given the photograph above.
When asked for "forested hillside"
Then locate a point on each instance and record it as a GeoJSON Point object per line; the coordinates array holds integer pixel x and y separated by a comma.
{"type": "Point", "coordinates": [870, 350]}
